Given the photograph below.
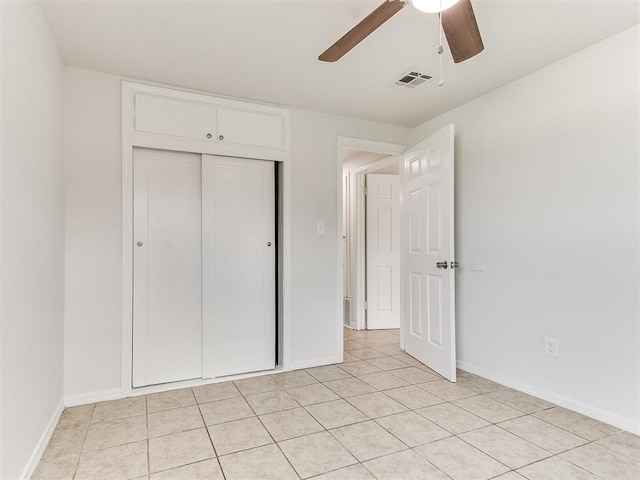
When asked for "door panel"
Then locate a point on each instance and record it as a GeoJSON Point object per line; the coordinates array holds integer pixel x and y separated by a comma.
{"type": "Point", "coordinates": [383, 251]}
{"type": "Point", "coordinates": [415, 304]}
{"type": "Point", "coordinates": [178, 118]}
{"type": "Point", "coordinates": [167, 338]}
{"type": "Point", "coordinates": [250, 128]}
{"type": "Point", "coordinates": [428, 302]}
{"type": "Point", "coordinates": [238, 206]}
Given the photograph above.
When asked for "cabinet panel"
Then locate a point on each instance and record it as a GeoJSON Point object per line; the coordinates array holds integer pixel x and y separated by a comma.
{"type": "Point", "coordinates": [243, 127]}
{"type": "Point", "coordinates": [178, 118]}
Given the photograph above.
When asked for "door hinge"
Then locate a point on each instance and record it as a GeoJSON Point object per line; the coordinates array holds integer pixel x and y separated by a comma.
{"type": "Point", "coordinates": [366, 191]}
{"type": "Point", "coordinates": [366, 305]}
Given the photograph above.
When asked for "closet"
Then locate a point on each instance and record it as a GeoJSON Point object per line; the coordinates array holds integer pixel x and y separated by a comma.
{"type": "Point", "coordinates": [204, 236]}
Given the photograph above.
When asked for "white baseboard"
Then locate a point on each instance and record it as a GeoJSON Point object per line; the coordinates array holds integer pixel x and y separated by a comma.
{"type": "Point", "coordinates": [91, 397]}
{"type": "Point", "coordinates": [318, 362]}
{"type": "Point", "coordinates": [569, 403]}
{"type": "Point", "coordinates": [42, 444]}
{"type": "Point", "coordinates": [115, 394]}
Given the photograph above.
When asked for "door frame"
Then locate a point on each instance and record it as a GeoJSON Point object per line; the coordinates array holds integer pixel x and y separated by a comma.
{"type": "Point", "coordinates": [283, 229]}
{"type": "Point", "coordinates": [347, 144]}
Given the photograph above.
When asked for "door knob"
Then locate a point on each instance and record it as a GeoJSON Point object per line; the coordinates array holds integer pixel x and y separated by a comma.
{"type": "Point", "coordinates": [444, 265]}
{"type": "Point", "coordinates": [268, 244]}
{"type": "Point", "coordinates": [139, 244]}
{"type": "Point", "coordinates": [454, 264]}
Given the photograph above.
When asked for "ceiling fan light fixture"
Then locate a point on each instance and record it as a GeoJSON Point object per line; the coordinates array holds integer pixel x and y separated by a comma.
{"type": "Point", "coordinates": [431, 6]}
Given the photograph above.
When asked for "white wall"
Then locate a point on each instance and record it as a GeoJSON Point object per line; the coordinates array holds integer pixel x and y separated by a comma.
{"type": "Point", "coordinates": [32, 229]}
{"type": "Point", "coordinates": [93, 203]}
{"type": "Point", "coordinates": [314, 197]}
{"type": "Point", "coordinates": [547, 193]}
{"type": "Point", "coordinates": [93, 209]}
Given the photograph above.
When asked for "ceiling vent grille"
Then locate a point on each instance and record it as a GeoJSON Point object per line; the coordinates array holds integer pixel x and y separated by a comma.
{"type": "Point", "coordinates": [412, 79]}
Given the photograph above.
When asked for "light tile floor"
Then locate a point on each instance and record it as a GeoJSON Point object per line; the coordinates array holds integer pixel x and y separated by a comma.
{"type": "Point", "coordinates": [380, 415]}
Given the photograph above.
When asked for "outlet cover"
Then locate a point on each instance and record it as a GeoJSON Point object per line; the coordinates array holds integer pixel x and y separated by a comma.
{"type": "Point", "coordinates": [551, 347]}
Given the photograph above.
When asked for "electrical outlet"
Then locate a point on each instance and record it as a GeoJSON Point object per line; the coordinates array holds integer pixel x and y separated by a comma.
{"type": "Point", "coordinates": [551, 347]}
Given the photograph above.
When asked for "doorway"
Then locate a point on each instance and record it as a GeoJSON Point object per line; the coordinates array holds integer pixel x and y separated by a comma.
{"type": "Point", "coordinates": [358, 158]}
{"type": "Point", "coordinates": [427, 285]}
{"type": "Point", "coordinates": [371, 241]}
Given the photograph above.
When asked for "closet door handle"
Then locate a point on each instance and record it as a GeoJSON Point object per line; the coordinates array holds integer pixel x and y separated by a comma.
{"type": "Point", "coordinates": [268, 244]}
{"type": "Point", "coordinates": [209, 135]}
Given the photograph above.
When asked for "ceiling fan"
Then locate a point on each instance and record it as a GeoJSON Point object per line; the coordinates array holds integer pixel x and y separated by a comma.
{"type": "Point", "coordinates": [458, 22]}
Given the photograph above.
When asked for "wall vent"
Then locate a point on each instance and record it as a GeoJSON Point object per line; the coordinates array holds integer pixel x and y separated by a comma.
{"type": "Point", "coordinates": [412, 79]}
{"type": "Point", "coordinates": [347, 311]}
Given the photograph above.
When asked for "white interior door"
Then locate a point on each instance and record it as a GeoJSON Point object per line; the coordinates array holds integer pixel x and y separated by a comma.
{"type": "Point", "coordinates": [239, 258]}
{"type": "Point", "coordinates": [167, 323]}
{"type": "Point", "coordinates": [383, 251]}
{"type": "Point", "coordinates": [428, 283]}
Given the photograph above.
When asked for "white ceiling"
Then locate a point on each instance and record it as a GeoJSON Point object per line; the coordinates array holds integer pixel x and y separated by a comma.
{"type": "Point", "coordinates": [266, 50]}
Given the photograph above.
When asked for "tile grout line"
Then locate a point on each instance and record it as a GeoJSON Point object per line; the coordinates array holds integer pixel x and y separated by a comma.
{"type": "Point", "coordinates": [273, 439]}
{"type": "Point", "coordinates": [284, 387]}
{"type": "Point", "coordinates": [206, 428]}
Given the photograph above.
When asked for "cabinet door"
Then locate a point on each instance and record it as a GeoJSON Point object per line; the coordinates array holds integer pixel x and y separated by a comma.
{"type": "Point", "coordinates": [243, 127]}
{"type": "Point", "coordinates": [177, 118]}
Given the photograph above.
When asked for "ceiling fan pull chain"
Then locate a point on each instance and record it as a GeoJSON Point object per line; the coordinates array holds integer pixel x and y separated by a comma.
{"type": "Point", "coordinates": [440, 48]}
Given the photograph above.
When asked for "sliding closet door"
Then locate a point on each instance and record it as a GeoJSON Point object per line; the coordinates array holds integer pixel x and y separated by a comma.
{"type": "Point", "coordinates": [239, 256]}
{"type": "Point", "coordinates": [167, 277]}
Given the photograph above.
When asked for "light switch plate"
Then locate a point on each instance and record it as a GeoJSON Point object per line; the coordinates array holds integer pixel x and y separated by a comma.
{"type": "Point", "coordinates": [320, 227]}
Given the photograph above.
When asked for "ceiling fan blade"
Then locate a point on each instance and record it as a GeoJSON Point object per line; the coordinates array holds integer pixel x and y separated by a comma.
{"type": "Point", "coordinates": [461, 29]}
{"type": "Point", "coordinates": [362, 30]}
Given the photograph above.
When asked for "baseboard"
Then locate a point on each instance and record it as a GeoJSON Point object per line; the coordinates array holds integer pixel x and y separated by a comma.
{"type": "Point", "coordinates": [569, 403]}
{"type": "Point", "coordinates": [91, 397]}
{"type": "Point", "coordinates": [318, 362]}
{"type": "Point", "coordinates": [42, 444]}
{"type": "Point", "coordinates": [103, 395]}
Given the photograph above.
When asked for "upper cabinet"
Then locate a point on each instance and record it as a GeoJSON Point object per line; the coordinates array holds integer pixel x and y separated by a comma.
{"type": "Point", "coordinates": [250, 128]}
{"type": "Point", "coordinates": [176, 120]}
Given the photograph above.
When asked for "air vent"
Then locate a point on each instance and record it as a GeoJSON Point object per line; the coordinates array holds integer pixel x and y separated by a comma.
{"type": "Point", "coordinates": [412, 79]}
